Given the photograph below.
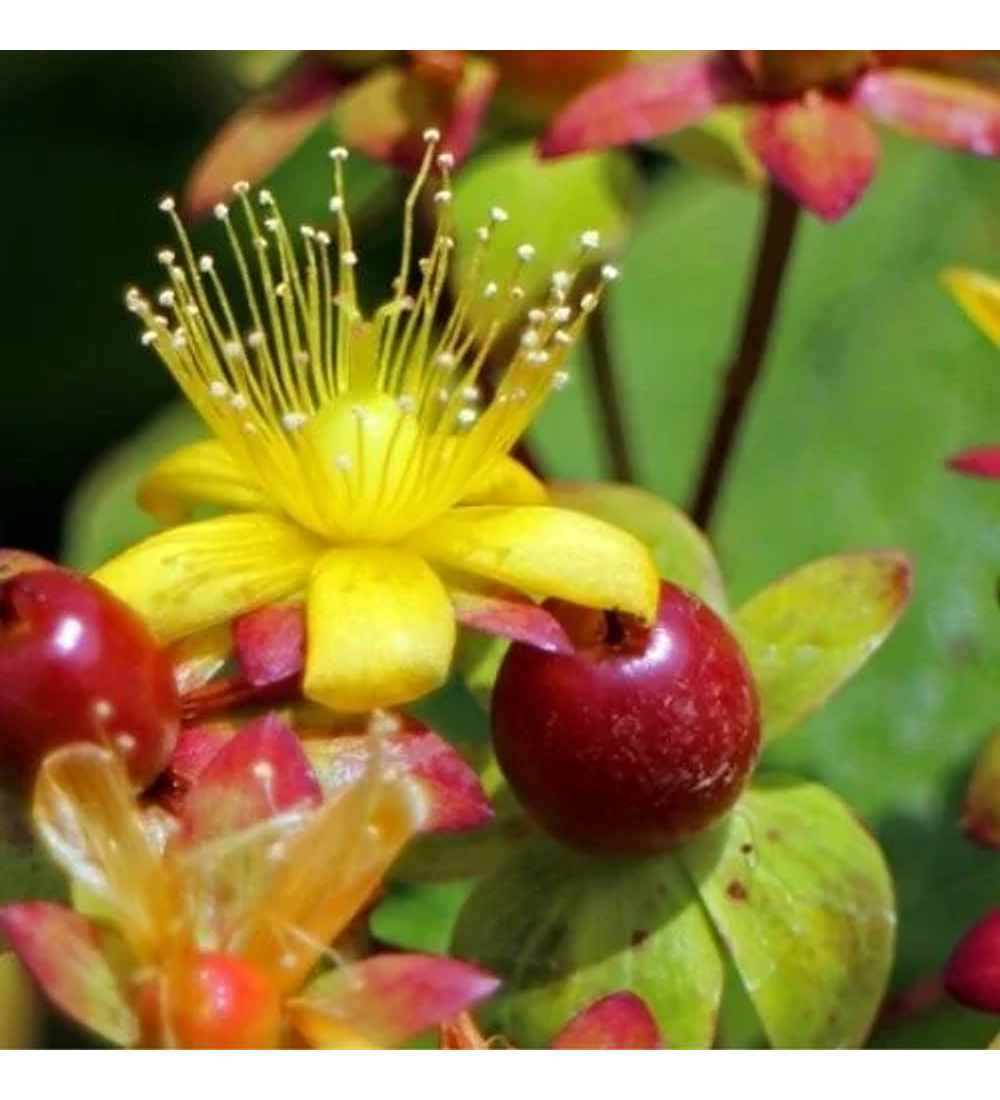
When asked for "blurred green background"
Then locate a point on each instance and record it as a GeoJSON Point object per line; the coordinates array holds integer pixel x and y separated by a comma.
{"type": "Point", "coordinates": [875, 378]}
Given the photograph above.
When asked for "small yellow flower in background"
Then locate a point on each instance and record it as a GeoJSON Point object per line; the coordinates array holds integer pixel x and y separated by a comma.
{"type": "Point", "coordinates": [979, 296]}
{"type": "Point", "coordinates": [212, 930]}
{"type": "Point", "coordinates": [360, 465]}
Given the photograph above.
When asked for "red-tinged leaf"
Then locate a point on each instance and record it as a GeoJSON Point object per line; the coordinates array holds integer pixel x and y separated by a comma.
{"type": "Point", "coordinates": [385, 115]}
{"type": "Point", "coordinates": [461, 1033]}
{"type": "Point", "coordinates": [978, 461]}
{"type": "Point", "coordinates": [620, 1021]}
{"type": "Point", "coordinates": [511, 616]}
{"type": "Point", "coordinates": [258, 774]}
{"type": "Point", "coordinates": [823, 152]}
{"type": "Point", "coordinates": [196, 748]}
{"type": "Point", "coordinates": [455, 798]}
{"type": "Point", "coordinates": [270, 644]}
{"type": "Point", "coordinates": [981, 807]}
{"type": "Point", "coordinates": [945, 110]}
{"type": "Point", "coordinates": [972, 975]}
{"type": "Point", "coordinates": [62, 950]}
{"type": "Point", "coordinates": [384, 1001]}
{"type": "Point", "coordinates": [261, 135]}
{"type": "Point", "coordinates": [642, 102]}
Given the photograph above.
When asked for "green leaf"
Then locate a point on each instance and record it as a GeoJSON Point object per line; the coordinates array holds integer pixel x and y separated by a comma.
{"type": "Point", "coordinates": [801, 897]}
{"type": "Point", "coordinates": [811, 631]}
{"type": "Point", "coordinates": [718, 145]}
{"type": "Point", "coordinates": [682, 553]}
{"type": "Point", "coordinates": [419, 918]}
{"type": "Point", "coordinates": [550, 204]}
{"type": "Point", "coordinates": [562, 929]}
{"type": "Point", "coordinates": [104, 517]}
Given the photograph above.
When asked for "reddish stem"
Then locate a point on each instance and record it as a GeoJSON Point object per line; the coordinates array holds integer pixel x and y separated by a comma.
{"type": "Point", "coordinates": [610, 406]}
{"type": "Point", "coordinates": [914, 1000]}
{"type": "Point", "coordinates": [774, 249]}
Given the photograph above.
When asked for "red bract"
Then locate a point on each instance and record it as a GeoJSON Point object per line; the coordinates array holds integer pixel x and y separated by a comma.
{"type": "Point", "coordinates": [638, 741]}
{"type": "Point", "coordinates": [77, 664]}
{"type": "Point", "coordinates": [619, 1021]}
{"type": "Point", "coordinates": [338, 756]}
{"type": "Point", "coordinates": [811, 111]}
{"type": "Point", "coordinates": [380, 102]}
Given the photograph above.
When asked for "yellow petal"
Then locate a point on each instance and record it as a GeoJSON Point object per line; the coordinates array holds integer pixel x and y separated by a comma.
{"type": "Point", "coordinates": [546, 552]}
{"type": "Point", "coordinates": [506, 481]}
{"type": "Point", "coordinates": [203, 473]}
{"type": "Point", "coordinates": [380, 629]}
{"type": "Point", "coordinates": [330, 870]}
{"type": "Point", "coordinates": [979, 296]}
{"type": "Point", "coordinates": [89, 821]}
{"type": "Point", "coordinates": [196, 576]}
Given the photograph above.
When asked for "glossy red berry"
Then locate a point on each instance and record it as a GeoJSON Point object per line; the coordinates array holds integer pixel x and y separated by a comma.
{"type": "Point", "coordinates": [77, 664]}
{"type": "Point", "coordinates": [211, 1001]}
{"type": "Point", "coordinates": [641, 739]}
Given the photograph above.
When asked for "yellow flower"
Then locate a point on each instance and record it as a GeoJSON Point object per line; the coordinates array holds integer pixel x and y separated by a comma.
{"type": "Point", "coordinates": [208, 929]}
{"type": "Point", "coordinates": [359, 464]}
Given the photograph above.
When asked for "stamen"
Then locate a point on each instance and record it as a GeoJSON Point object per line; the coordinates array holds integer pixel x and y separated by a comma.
{"type": "Point", "coordinates": [590, 239]}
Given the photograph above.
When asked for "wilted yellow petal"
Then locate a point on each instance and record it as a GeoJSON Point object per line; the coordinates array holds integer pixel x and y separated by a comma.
{"type": "Point", "coordinates": [202, 473]}
{"type": "Point", "coordinates": [87, 817]}
{"type": "Point", "coordinates": [330, 870]}
{"type": "Point", "coordinates": [196, 576]}
{"type": "Point", "coordinates": [381, 629]}
{"type": "Point", "coordinates": [546, 552]}
{"type": "Point", "coordinates": [979, 296]}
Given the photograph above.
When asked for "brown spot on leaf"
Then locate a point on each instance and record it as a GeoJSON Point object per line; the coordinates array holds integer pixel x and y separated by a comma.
{"type": "Point", "coordinates": [638, 937]}
{"type": "Point", "coordinates": [736, 891]}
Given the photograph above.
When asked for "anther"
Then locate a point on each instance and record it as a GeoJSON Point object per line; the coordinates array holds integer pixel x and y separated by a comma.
{"type": "Point", "coordinates": [446, 161]}
{"type": "Point", "coordinates": [165, 256]}
{"type": "Point", "coordinates": [238, 402]}
{"type": "Point", "coordinates": [609, 273]}
{"type": "Point", "coordinates": [241, 187]}
{"type": "Point", "coordinates": [147, 338]}
{"type": "Point", "coordinates": [344, 463]}
{"type": "Point", "coordinates": [559, 379]}
{"type": "Point", "coordinates": [349, 258]}
{"type": "Point", "coordinates": [206, 263]}
{"type": "Point", "coordinates": [167, 204]}
{"type": "Point", "coordinates": [339, 153]}
{"type": "Point", "coordinates": [291, 421]}
{"type": "Point", "coordinates": [590, 239]}
{"type": "Point", "coordinates": [588, 303]}
{"type": "Point", "coordinates": [498, 215]}
{"type": "Point", "coordinates": [218, 389]}
{"type": "Point", "coordinates": [221, 211]}
{"type": "Point", "coordinates": [465, 417]}
{"type": "Point", "coordinates": [490, 290]}
{"type": "Point", "coordinates": [336, 204]}
{"type": "Point", "coordinates": [265, 198]}
{"type": "Point", "coordinates": [432, 135]}
{"type": "Point", "coordinates": [442, 197]}
{"type": "Point", "coordinates": [525, 252]}
{"type": "Point", "coordinates": [166, 298]}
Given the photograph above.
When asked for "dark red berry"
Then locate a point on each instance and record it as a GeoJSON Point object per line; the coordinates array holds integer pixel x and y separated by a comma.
{"type": "Point", "coordinates": [641, 739]}
{"type": "Point", "coordinates": [77, 664]}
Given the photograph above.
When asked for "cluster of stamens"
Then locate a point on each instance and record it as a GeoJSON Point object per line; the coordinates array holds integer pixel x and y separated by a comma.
{"type": "Point", "coordinates": [261, 375]}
